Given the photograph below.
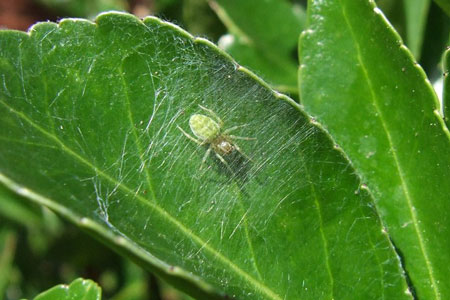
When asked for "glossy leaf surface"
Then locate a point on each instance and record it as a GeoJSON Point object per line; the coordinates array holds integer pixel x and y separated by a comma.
{"type": "Point", "coordinates": [79, 289]}
{"type": "Point", "coordinates": [92, 127]}
{"type": "Point", "coordinates": [363, 84]}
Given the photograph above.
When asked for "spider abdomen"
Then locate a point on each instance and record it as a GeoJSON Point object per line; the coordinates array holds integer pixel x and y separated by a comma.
{"type": "Point", "coordinates": [203, 127]}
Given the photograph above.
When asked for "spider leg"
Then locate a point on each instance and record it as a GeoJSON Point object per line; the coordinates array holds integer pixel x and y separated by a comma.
{"type": "Point", "coordinates": [190, 137]}
{"type": "Point", "coordinates": [213, 114]}
{"type": "Point", "coordinates": [242, 138]}
{"type": "Point", "coordinates": [205, 157]}
{"type": "Point", "coordinates": [224, 162]}
{"type": "Point", "coordinates": [234, 128]}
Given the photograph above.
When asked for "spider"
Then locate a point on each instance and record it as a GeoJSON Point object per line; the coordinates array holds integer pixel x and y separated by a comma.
{"type": "Point", "coordinates": [209, 131]}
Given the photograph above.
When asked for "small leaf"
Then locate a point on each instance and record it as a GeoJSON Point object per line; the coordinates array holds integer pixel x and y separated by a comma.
{"type": "Point", "coordinates": [92, 120]}
{"type": "Point", "coordinates": [363, 84]}
{"type": "Point", "coordinates": [79, 289]}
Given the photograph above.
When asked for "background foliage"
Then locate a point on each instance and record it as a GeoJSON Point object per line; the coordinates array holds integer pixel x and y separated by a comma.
{"type": "Point", "coordinates": [34, 241]}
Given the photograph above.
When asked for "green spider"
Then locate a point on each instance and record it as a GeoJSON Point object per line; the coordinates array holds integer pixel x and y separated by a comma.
{"type": "Point", "coordinates": [209, 131]}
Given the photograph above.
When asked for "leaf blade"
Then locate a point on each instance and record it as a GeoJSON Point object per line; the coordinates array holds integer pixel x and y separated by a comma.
{"type": "Point", "coordinates": [101, 146]}
{"type": "Point", "coordinates": [364, 85]}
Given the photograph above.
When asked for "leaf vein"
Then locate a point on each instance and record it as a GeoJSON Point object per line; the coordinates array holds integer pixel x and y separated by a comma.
{"type": "Point", "coordinates": [396, 161]}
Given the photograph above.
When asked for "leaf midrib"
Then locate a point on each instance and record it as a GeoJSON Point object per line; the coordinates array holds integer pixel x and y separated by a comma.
{"type": "Point", "coordinates": [322, 232]}
{"type": "Point", "coordinates": [170, 219]}
{"type": "Point", "coordinates": [397, 164]}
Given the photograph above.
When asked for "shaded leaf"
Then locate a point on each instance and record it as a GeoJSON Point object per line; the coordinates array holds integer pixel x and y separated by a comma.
{"type": "Point", "coordinates": [394, 10]}
{"type": "Point", "coordinates": [283, 76]}
{"type": "Point", "coordinates": [91, 128]}
{"type": "Point", "coordinates": [435, 40]}
{"type": "Point", "coordinates": [445, 5]}
{"type": "Point", "coordinates": [200, 20]}
{"type": "Point", "coordinates": [42, 225]}
{"type": "Point", "coordinates": [14, 208]}
{"type": "Point", "coordinates": [363, 84]}
{"type": "Point", "coordinates": [265, 35]}
{"type": "Point", "coordinates": [416, 12]}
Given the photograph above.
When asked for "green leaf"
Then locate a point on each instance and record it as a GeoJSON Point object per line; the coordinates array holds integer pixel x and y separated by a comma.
{"type": "Point", "coordinates": [79, 289]}
{"type": "Point", "coordinates": [445, 5]}
{"type": "Point", "coordinates": [416, 12]}
{"type": "Point", "coordinates": [89, 127]}
{"type": "Point", "coordinates": [265, 35]}
{"type": "Point", "coordinates": [362, 83]}
{"type": "Point", "coordinates": [446, 89]}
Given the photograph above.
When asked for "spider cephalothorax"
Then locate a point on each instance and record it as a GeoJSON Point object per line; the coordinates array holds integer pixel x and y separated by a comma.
{"type": "Point", "coordinates": [222, 145]}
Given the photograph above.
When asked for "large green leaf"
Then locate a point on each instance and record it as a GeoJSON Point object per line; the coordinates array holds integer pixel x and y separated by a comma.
{"type": "Point", "coordinates": [89, 128]}
{"type": "Point", "coordinates": [79, 289]}
{"type": "Point", "coordinates": [363, 84]}
{"type": "Point", "coordinates": [264, 37]}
